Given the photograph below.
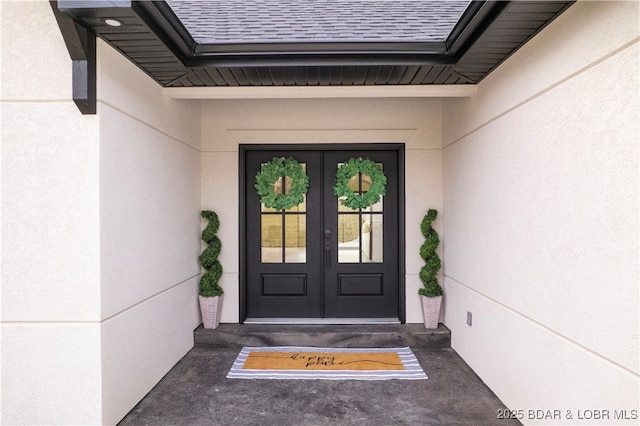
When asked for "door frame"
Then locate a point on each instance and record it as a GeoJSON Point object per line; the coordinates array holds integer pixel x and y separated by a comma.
{"type": "Point", "coordinates": [399, 148]}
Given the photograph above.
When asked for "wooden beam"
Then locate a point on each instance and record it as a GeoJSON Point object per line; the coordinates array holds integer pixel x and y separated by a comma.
{"type": "Point", "coordinates": [81, 45]}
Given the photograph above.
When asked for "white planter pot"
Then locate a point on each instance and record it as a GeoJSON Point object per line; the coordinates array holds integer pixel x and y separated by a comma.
{"type": "Point", "coordinates": [211, 308]}
{"type": "Point", "coordinates": [431, 310]}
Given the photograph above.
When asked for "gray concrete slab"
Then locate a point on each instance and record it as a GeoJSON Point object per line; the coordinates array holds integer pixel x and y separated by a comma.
{"type": "Point", "coordinates": [235, 336]}
{"type": "Point", "coordinates": [197, 392]}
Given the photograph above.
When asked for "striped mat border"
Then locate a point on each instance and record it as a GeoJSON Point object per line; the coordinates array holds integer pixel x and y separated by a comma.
{"type": "Point", "coordinates": [412, 369]}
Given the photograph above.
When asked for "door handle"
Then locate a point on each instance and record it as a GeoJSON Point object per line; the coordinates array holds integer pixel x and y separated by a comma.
{"type": "Point", "coordinates": [327, 247]}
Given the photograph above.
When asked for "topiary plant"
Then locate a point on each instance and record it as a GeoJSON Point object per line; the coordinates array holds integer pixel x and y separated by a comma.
{"type": "Point", "coordinates": [209, 286]}
{"type": "Point", "coordinates": [428, 273]}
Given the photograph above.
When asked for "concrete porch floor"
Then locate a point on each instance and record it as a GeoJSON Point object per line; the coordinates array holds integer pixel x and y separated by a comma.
{"type": "Point", "coordinates": [196, 392]}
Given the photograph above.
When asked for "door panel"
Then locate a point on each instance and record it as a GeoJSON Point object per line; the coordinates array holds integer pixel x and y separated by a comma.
{"type": "Point", "coordinates": [361, 275]}
{"type": "Point", "coordinates": [321, 259]}
{"type": "Point", "coordinates": [282, 265]}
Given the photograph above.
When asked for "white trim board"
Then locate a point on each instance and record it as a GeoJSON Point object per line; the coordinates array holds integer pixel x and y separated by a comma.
{"type": "Point", "coordinates": [320, 92]}
{"type": "Point", "coordinates": [321, 136]}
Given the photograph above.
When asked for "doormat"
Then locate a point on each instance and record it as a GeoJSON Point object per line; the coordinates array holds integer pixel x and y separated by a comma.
{"type": "Point", "coordinates": [291, 362]}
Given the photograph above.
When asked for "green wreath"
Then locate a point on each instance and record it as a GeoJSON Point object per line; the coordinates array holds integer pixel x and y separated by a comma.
{"type": "Point", "coordinates": [269, 174]}
{"type": "Point", "coordinates": [351, 168]}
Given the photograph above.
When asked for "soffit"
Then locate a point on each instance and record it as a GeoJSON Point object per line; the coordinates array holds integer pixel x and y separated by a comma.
{"type": "Point", "coordinates": [192, 54]}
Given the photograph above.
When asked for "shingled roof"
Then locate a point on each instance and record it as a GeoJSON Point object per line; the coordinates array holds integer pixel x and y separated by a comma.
{"type": "Point", "coordinates": [289, 21]}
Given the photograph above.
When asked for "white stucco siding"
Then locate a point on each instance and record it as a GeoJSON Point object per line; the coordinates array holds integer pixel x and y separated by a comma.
{"type": "Point", "coordinates": [31, 47]}
{"type": "Point", "coordinates": [51, 374]}
{"type": "Point", "coordinates": [141, 344]}
{"type": "Point", "coordinates": [150, 230]}
{"type": "Point", "coordinates": [554, 55]}
{"type": "Point", "coordinates": [150, 199]}
{"type": "Point", "coordinates": [127, 89]}
{"type": "Point", "coordinates": [49, 213]}
{"type": "Point", "coordinates": [541, 217]}
{"type": "Point", "coordinates": [50, 289]}
{"type": "Point", "coordinates": [226, 124]}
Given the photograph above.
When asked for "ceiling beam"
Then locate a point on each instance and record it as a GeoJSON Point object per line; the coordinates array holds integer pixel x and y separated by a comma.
{"type": "Point", "coordinates": [319, 92]}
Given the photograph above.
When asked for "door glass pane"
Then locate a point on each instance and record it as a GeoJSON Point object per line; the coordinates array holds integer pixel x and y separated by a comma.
{"type": "Point", "coordinates": [354, 183]}
{"type": "Point", "coordinates": [360, 234]}
{"type": "Point", "coordinates": [372, 238]}
{"type": "Point", "coordinates": [348, 238]}
{"type": "Point", "coordinates": [366, 182]}
{"type": "Point", "coordinates": [277, 185]}
{"type": "Point", "coordinates": [294, 232]}
{"type": "Point", "coordinates": [295, 238]}
{"type": "Point", "coordinates": [271, 238]}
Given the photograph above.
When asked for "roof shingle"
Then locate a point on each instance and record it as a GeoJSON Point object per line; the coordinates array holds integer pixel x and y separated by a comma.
{"type": "Point", "coordinates": [286, 21]}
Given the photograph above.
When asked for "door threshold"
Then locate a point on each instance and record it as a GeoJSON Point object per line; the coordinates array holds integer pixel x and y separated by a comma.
{"type": "Point", "coordinates": [330, 321]}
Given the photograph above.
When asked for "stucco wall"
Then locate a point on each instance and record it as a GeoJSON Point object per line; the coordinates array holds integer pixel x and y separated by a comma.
{"type": "Point", "coordinates": [50, 278]}
{"type": "Point", "coordinates": [100, 230]}
{"type": "Point", "coordinates": [149, 228]}
{"type": "Point", "coordinates": [226, 124]}
{"type": "Point", "coordinates": [541, 218]}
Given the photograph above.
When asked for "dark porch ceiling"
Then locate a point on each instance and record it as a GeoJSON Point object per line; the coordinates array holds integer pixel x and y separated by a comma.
{"type": "Point", "coordinates": [154, 35]}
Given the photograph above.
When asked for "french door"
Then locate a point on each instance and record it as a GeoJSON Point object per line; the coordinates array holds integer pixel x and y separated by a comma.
{"type": "Point", "coordinates": [321, 261]}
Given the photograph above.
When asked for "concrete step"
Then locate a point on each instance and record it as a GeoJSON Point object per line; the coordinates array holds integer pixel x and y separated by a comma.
{"type": "Point", "coordinates": [235, 336]}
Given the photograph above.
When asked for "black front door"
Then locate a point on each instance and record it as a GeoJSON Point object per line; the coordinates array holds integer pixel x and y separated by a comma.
{"type": "Point", "coordinates": [321, 260]}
